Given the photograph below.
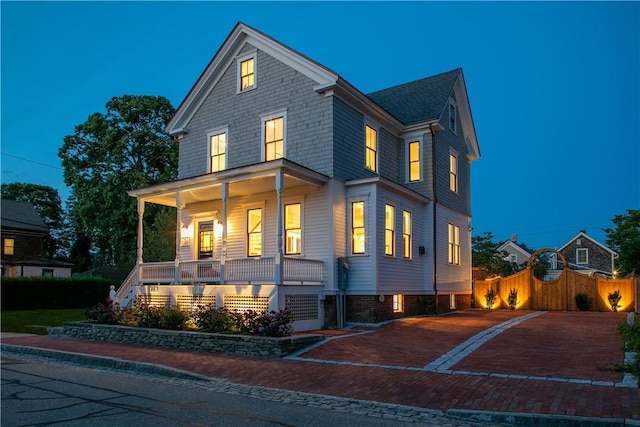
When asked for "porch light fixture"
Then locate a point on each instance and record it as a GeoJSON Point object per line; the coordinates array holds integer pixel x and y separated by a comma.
{"type": "Point", "coordinates": [186, 234]}
{"type": "Point", "coordinates": [218, 228]}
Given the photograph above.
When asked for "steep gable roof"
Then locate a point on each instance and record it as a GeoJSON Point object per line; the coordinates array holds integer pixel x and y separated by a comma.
{"type": "Point", "coordinates": [21, 216]}
{"type": "Point", "coordinates": [420, 100]}
{"type": "Point", "coordinates": [583, 235]}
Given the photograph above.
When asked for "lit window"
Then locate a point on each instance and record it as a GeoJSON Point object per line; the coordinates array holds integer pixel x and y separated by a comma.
{"type": "Point", "coordinates": [357, 227]}
{"type": "Point", "coordinates": [453, 173]}
{"type": "Point", "coordinates": [218, 150]}
{"type": "Point", "coordinates": [371, 148]}
{"type": "Point", "coordinates": [9, 246]}
{"type": "Point", "coordinates": [582, 256]}
{"type": "Point", "coordinates": [414, 161]}
{"type": "Point", "coordinates": [247, 74]}
{"type": "Point", "coordinates": [254, 232]}
{"type": "Point", "coordinates": [398, 303]}
{"type": "Point", "coordinates": [452, 117]}
{"type": "Point", "coordinates": [205, 239]}
{"type": "Point", "coordinates": [454, 244]}
{"type": "Point", "coordinates": [406, 234]}
{"type": "Point", "coordinates": [274, 139]}
{"type": "Point", "coordinates": [389, 228]}
{"type": "Point", "coordinates": [292, 229]}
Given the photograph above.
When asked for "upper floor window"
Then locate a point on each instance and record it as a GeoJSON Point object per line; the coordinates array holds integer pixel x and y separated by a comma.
{"type": "Point", "coordinates": [357, 228]}
{"type": "Point", "coordinates": [453, 172]}
{"type": "Point", "coordinates": [8, 246]}
{"type": "Point", "coordinates": [453, 124]}
{"type": "Point", "coordinates": [406, 234]}
{"type": "Point", "coordinates": [582, 256]}
{"type": "Point", "coordinates": [389, 228]}
{"type": "Point", "coordinates": [454, 244]}
{"type": "Point", "coordinates": [293, 229]}
{"type": "Point", "coordinates": [273, 136]}
{"type": "Point", "coordinates": [217, 151]}
{"type": "Point", "coordinates": [413, 157]}
{"type": "Point", "coordinates": [254, 232]}
{"type": "Point", "coordinates": [246, 73]}
{"type": "Point", "coordinates": [371, 148]}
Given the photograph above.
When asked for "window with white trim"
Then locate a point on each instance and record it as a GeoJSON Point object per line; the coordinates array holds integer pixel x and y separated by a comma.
{"type": "Point", "coordinates": [371, 148]}
{"type": "Point", "coordinates": [293, 229]}
{"type": "Point", "coordinates": [453, 120]}
{"type": "Point", "coordinates": [357, 228]}
{"type": "Point", "coordinates": [389, 229]}
{"type": "Point", "coordinates": [414, 170]}
{"type": "Point", "coordinates": [454, 244]}
{"type": "Point", "coordinates": [453, 172]}
{"type": "Point", "coordinates": [274, 136]}
{"type": "Point", "coordinates": [406, 234]}
{"type": "Point", "coordinates": [205, 239]}
{"type": "Point", "coordinates": [582, 256]}
{"type": "Point", "coordinates": [217, 151]}
{"type": "Point", "coordinates": [246, 72]}
{"type": "Point", "coordinates": [254, 232]}
{"type": "Point", "coordinates": [398, 303]}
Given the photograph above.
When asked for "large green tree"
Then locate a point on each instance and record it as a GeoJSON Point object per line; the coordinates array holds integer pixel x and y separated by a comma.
{"type": "Point", "coordinates": [625, 240]}
{"type": "Point", "coordinates": [47, 204]}
{"type": "Point", "coordinates": [123, 149]}
{"type": "Point", "coordinates": [485, 254]}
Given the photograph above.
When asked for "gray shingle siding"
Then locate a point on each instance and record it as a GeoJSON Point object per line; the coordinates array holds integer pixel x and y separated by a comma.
{"type": "Point", "coordinates": [348, 134]}
{"type": "Point", "coordinates": [278, 87]}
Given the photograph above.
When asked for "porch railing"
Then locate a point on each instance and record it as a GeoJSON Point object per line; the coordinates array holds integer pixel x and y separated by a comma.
{"type": "Point", "coordinates": [126, 286]}
{"type": "Point", "coordinates": [236, 270]}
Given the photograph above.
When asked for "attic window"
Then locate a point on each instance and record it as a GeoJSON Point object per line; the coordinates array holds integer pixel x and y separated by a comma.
{"type": "Point", "coordinates": [452, 117]}
{"type": "Point", "coordinates": [246, 73]}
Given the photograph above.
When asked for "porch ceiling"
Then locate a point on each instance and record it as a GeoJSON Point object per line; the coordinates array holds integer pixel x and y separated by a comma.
{"type": "Point", "coordinates": [242, 182]}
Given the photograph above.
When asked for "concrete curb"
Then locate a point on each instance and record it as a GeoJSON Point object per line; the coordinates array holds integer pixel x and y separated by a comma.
{"type": "Point", "coordinates": [102, 362]}
{"type": "Point", "coordinates": [537, 420]}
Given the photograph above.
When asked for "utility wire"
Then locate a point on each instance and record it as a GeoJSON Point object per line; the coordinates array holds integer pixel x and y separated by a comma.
{"type": "Point", "coordinates": [31, 161]}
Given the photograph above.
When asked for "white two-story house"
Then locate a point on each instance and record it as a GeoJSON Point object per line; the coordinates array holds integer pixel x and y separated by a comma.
{"type": "Point", "coordinates": [297, 190]}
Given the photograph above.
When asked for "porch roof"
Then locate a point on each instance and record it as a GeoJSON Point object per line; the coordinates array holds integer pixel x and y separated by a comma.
{"type": "Point", "coordinates": [245, 180]}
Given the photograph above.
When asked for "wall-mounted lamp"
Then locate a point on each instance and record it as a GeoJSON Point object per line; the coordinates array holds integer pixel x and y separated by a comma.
{"type": "Point", "coordinates": [218, 228]}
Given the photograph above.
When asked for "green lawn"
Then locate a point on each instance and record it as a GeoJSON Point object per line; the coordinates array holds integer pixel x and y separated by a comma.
{"type": "Point", "coordinates": [36, 321]}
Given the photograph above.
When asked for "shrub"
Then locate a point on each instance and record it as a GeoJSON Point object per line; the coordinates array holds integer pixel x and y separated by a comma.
{"type": "Point", "coordinates": [583, 302]}
{"type": "Point", "coordinates": [614, 300]}
{"type": "Point", "coordinates": [108, 313]}
{"type": "Point", "coordinates": [491, 295]}
{"type": "Point", "coordinates": [630, 333]}
{"type": "Point", "coordinates": [210, 318]}
{"type": "Point", "coordinates": [512, 299]}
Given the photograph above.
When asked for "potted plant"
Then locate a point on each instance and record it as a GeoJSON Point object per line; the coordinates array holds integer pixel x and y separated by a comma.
{"type": "Point", "coordinates": [614, 300]}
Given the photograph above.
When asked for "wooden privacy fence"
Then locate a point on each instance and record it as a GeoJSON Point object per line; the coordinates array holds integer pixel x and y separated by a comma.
{"type": "Point", "coordinates": [558, 294]}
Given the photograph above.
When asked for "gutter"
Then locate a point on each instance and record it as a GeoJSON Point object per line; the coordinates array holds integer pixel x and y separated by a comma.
{"type": "Point", "coordinates": [435, 202]}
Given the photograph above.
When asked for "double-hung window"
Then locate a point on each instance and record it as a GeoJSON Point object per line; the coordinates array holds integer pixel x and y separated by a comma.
{"type": "Point", "coordinates": [246, 73]}
{"type": "Point", "coordinates": [357, 228]}
{"type": "Point", "coordinates": [254, 232]}
{"type": "Point", "coordinates": [582, 256]}
{"type": "Point", "coordinates": [453, 172]}
{"type": "Point", "coordinates": [371, 148]}
{"type": "Point", "coordinates": [274, 136]}
{"type": "Point", "coordinates": [293, 229]}
{"type": "Point", "coordinates": [217, 151]}
{"type": "Point", "coordinates": [389, 229]}
{"type": "Point", "coordinates": [413, 158]}
{"type": "Point", "coordinates": [8, 246]}
{"type": "Point", "coordinates": [406, 234]}
{"type": "Point", "coordinates": [454, 244]}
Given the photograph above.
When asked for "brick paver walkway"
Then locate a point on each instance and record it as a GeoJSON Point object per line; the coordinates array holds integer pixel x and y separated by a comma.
{"type": "Point", "coordinates": [388, 364]}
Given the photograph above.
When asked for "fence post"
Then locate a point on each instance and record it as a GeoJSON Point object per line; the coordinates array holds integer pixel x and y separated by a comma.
{"type": "Point", "coordinates": [112, 293]}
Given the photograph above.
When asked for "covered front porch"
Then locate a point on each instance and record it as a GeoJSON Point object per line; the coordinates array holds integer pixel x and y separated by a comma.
{"type": "Point", "coordinates": [217, 198]}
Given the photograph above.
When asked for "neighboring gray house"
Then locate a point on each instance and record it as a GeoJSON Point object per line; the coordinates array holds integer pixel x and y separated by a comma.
{"type": "Point", "coordinates": [23, 235]}
{"type": "Point", "coordinates": [297, 190]}
{"type": "Point", "coordinates": [585, 254]}
{"type": "Point", "coordinates": [517, 254]}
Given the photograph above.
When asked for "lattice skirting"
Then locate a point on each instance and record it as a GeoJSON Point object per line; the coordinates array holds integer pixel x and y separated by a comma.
{"type": "Point", "coordinates": [303, 307]}
{"type": "Point", "coordinates": [191, 302]}
{"type": "Point", "coordinates": [247, 302]}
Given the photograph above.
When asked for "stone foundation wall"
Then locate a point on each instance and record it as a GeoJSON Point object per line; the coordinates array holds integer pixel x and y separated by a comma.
{"type": "Point", "coordinates": [186, 340]}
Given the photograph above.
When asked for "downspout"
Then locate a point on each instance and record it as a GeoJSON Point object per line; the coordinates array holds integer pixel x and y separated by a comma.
{"type": "Point", "coordinates": [435, 201]}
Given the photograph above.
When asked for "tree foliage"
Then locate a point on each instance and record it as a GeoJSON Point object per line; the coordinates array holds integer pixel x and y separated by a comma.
{"type": "Point", "coordinates": [124, 149]}
{"type": "Point", "coordinates": [46, 201]}
{"type": "Point", "coordinates": [486, 255]}
{"type": "Point", "coordinates": [625, 240]}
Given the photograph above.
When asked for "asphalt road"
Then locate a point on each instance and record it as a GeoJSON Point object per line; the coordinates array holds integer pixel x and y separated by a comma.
{"type": "Point", "coordinates": [39, 393]}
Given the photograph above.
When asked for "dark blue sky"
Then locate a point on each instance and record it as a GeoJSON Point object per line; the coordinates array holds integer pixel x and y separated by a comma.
{"type": "Point", "coordinates": [554, 87]}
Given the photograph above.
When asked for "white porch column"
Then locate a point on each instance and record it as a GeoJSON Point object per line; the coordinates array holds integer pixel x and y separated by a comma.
{"type": "Point", "coordinates": [179, 207]}
{"type": "Point", "coordinates": [140, 241]}
{"type": "Point", "coordinates": [279, 258]}
{"type": "Point", "coordinates": [224, 194]}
